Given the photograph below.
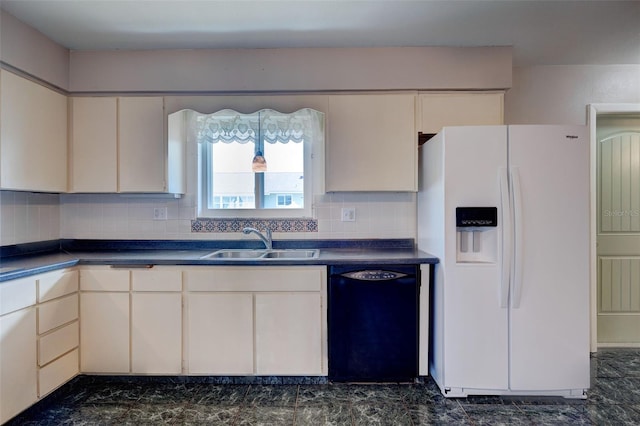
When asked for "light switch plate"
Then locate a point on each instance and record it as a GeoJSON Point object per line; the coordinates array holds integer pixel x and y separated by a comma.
{"type": "Point", "coordinates": [348, 214]}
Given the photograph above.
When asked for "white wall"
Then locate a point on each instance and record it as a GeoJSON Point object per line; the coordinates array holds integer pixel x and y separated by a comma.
{"type": "Point", "coordinates": [30, 51]}
{"type": "Point", "coordinates": [559, 94]}
{"type": "Point", "coordinates": [269, 70]}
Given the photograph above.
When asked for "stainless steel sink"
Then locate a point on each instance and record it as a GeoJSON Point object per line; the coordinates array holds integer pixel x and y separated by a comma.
{"type": "Point", "coordinates": [290, 254]}
{"type": "Point", "coordinates": [234, 254]}
{"type": "Point", "coordinates": [247, 254]}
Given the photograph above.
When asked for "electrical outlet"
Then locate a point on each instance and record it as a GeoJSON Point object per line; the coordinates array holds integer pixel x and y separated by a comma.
{"type": "Point", "coordinates": [160, 213]}
{"type": "Point", "coordinates": [348, 214]}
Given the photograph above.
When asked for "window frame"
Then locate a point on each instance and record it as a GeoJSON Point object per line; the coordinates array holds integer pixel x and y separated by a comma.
{"type": "Point", "coordinates": [205, 175]}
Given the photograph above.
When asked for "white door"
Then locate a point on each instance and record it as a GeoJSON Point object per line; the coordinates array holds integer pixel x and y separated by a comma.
{"type": "Point", "coordinates": [549, 336]}
{"type": "Point", "coordinates": [476, 325]}
{"type": "Point", "coordinates": [618, 227]}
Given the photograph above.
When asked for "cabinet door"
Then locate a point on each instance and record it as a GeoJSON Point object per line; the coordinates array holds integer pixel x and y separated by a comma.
{"type": "Point", "coordinates": [94, 145]}
{"type": "Point", "coordinates": [142, 146]}
{"type": "Point", "coordinates": [156, 333]}
{"type": "Point", "coordinates": [288, 334]}
{"type": "Point", "coordinates": [372, 143]}
{"type": "Point", "coordinates": [460, 109]}
{"type": "Point", "coordinates": [33, 138]}
{"type": "Point", "coordinates": [220, 336]}
{"type": "Point", "coordinates": [104, 332]}
{"type": "Point", "coordinates": [18, 374]}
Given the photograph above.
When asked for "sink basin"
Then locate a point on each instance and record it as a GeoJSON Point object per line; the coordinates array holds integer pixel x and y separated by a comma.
{"type": "Point", "coordinates": [240, 254]}
{"type": "Point", "coordinates": [234, 254]}
{"type": "Point", "coordinates": [290, 254]}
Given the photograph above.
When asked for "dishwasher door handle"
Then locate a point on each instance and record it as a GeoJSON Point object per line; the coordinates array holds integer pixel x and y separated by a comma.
{"type": "Point", "coordinates": [373, 275]}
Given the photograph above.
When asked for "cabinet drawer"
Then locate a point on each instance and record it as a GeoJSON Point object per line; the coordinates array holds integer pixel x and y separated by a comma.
{"type": "Point", "coordinates": [57, 312]}
{"type": "Point", "coordinates": [57, 284]}
{"type": "Point", "coordinates": [58, 372]}
{"type": "Point", "coordinates": [104, 280]}
{"type": "Point", "coordinates": [57, 343]}
{"type": "Point", "coordinates": [255, 279]}
{"type": "Point", "coordinates": [17, 294]}
{"type": "Point", "coordinates": [156, 280]}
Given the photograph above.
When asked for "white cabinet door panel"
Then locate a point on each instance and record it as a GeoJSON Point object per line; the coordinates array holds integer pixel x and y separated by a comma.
{"type": "Point", "coordinates": [141, 142]}
{"type": "Point", "coordinates": [18, 374]}
{"type": "Point", "coordinates": [156, 333]}
{"type": "Point", "coordinates": [94, 150]}
{"type": "Point", "coordinates": [288, 334]}
{"type": "Point", "coordinates": [104, 332]}
{"type": "Point", "coordinates": [220, 333]}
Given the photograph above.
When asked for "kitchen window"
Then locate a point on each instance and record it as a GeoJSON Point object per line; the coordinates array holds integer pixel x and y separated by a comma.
{"type": "Point", "coordinates": [257, 165]}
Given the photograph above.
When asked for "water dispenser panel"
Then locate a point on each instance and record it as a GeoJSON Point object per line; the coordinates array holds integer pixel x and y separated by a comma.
{"type": "Point", "coordinates": [476, 217]}
{"type": "Point", "coordinates": [476, 236]}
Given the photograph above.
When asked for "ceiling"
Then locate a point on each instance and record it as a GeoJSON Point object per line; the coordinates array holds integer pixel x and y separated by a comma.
{"type": "Point", "coordinates": [541, 32]}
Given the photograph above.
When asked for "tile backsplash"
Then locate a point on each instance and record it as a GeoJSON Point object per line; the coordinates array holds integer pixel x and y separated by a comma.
{"type": "Point", "coordinates": [30, 217]}
{"type": "Point", "coordinates": [27, 217]}
{"type": "Point", "coordinates": [113, 216]}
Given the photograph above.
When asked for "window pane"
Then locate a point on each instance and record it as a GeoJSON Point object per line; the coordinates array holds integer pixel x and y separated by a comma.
{"type": "Point", "coordinates": [284, 178]}
{"type": "Point", "coordinates": [232, 181]}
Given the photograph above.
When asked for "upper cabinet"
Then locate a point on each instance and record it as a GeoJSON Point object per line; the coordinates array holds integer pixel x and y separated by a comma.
{"type": "Point", "coordinates": [459, 109]}
{"type": "Point", "coordinates": [94, 147]}
{"type": "Point", "coordinates": [33, 137]}
{"type": "Point", "coordinates": [371, 143]}
{"type": "Point", "coordinates": [119, 145]}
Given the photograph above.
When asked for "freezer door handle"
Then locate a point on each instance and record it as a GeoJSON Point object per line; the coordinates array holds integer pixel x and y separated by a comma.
{"type": "Point", "coordinates": [517, 236]}
{"type": "Point", "coordinates": [505, 209]}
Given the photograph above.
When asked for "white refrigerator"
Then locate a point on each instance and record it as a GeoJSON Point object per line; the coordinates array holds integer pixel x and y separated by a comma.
{"type": "Point", "coordinates": [506, 210]}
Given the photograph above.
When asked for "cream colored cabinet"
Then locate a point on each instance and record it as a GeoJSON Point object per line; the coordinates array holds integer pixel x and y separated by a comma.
{"type": "Point", "coordinates": [156, 321]}
{"type": "Point", "coordinates": [58, 329]}
{"type": "Point", "coordinates": [371, 143]}
{"type": "Point", "coordinates": [256, 320]}
{"type": "Point", "coordinates": [105, 317]}
{"type": "Point", "coordinates": [118, 144]}
{"type": "Point", "coordinates": [459, 109]}
{"type": "Point", "coordinates": [94, 152]}
{"type": "Point", "coordinates": [33, 136]}
{"type": "Point", "coordinates": [288, 334]}
{"type": "Point", "coordinates": [220, 333]}
{"type": "Point", "coordinates": [142, 146]}
{"type": "Point", "coordinates": [18, 367]}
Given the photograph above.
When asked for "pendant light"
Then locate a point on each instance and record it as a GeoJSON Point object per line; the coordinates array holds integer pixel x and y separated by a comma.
{"type": "Point", "coordinates": [259, 164]}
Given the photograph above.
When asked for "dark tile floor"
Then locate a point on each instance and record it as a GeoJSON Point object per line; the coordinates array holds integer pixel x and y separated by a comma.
{"type": "Point", "coordinates": [614, 399]}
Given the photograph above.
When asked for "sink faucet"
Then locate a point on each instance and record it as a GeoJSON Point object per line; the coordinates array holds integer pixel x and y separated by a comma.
{"type": "Point", "coordinates": [266, 237]}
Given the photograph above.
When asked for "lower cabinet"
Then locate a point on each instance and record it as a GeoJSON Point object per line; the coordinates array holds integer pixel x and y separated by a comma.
{"type": "Point", "coordinates": [18, 372]}
{"type": "Point", "coordinates": [104, 332]}
{"type": "Point", "coordinates": [288, 333]}
{"type": "Point", "coordinates": [220, 333]}
{"type": "Point", "coordinates": [256, 320]}
{"type": "Point", "coordinates": [156, 321]}
{"type": "Point", "coordinates": [104, 320]}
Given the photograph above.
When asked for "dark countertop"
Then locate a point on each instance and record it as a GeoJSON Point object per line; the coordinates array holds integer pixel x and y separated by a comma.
{"type": "Point", "coordinates": [349, 252]}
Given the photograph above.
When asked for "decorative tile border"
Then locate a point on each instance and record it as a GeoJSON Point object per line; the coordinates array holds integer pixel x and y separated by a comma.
{"type": "Point", "coordinates": [236, 225]}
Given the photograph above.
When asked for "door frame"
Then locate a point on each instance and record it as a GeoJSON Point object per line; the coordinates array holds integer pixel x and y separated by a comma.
{"type": "Point", "coordinates": [593, 111]}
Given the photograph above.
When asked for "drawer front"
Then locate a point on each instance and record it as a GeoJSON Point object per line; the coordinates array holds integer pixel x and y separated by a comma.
{"type": "Point", "coordinates": [57, 343]}
{"type": "Point", "coordinates": [255, 279]}
{"type": "Point", "coordinates": [57, 284]}
{"type": "Point", "coordinates": [156, 279]}
{"type": "Point", "coordinates": [58, 373]}
{"type": "Point", "coordinates": [57, 312]}
{"type": "Point", "coordinates": [17, 294]}
{"type": "Point", "coordinates": [104, 280]}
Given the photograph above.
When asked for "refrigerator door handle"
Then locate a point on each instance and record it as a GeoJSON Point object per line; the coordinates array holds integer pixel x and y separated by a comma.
{"type": "Point", "coordinates": [505, 209]}
{"type": "Point", "coordinates": [517, 234]}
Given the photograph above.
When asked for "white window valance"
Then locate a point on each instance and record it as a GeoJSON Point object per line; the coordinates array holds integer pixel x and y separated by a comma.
{"type": "Point", "coordinates": [270, 126]}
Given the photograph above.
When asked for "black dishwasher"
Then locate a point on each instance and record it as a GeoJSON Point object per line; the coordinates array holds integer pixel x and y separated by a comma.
{"type": "Point", "coordinates": [373, 323]}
